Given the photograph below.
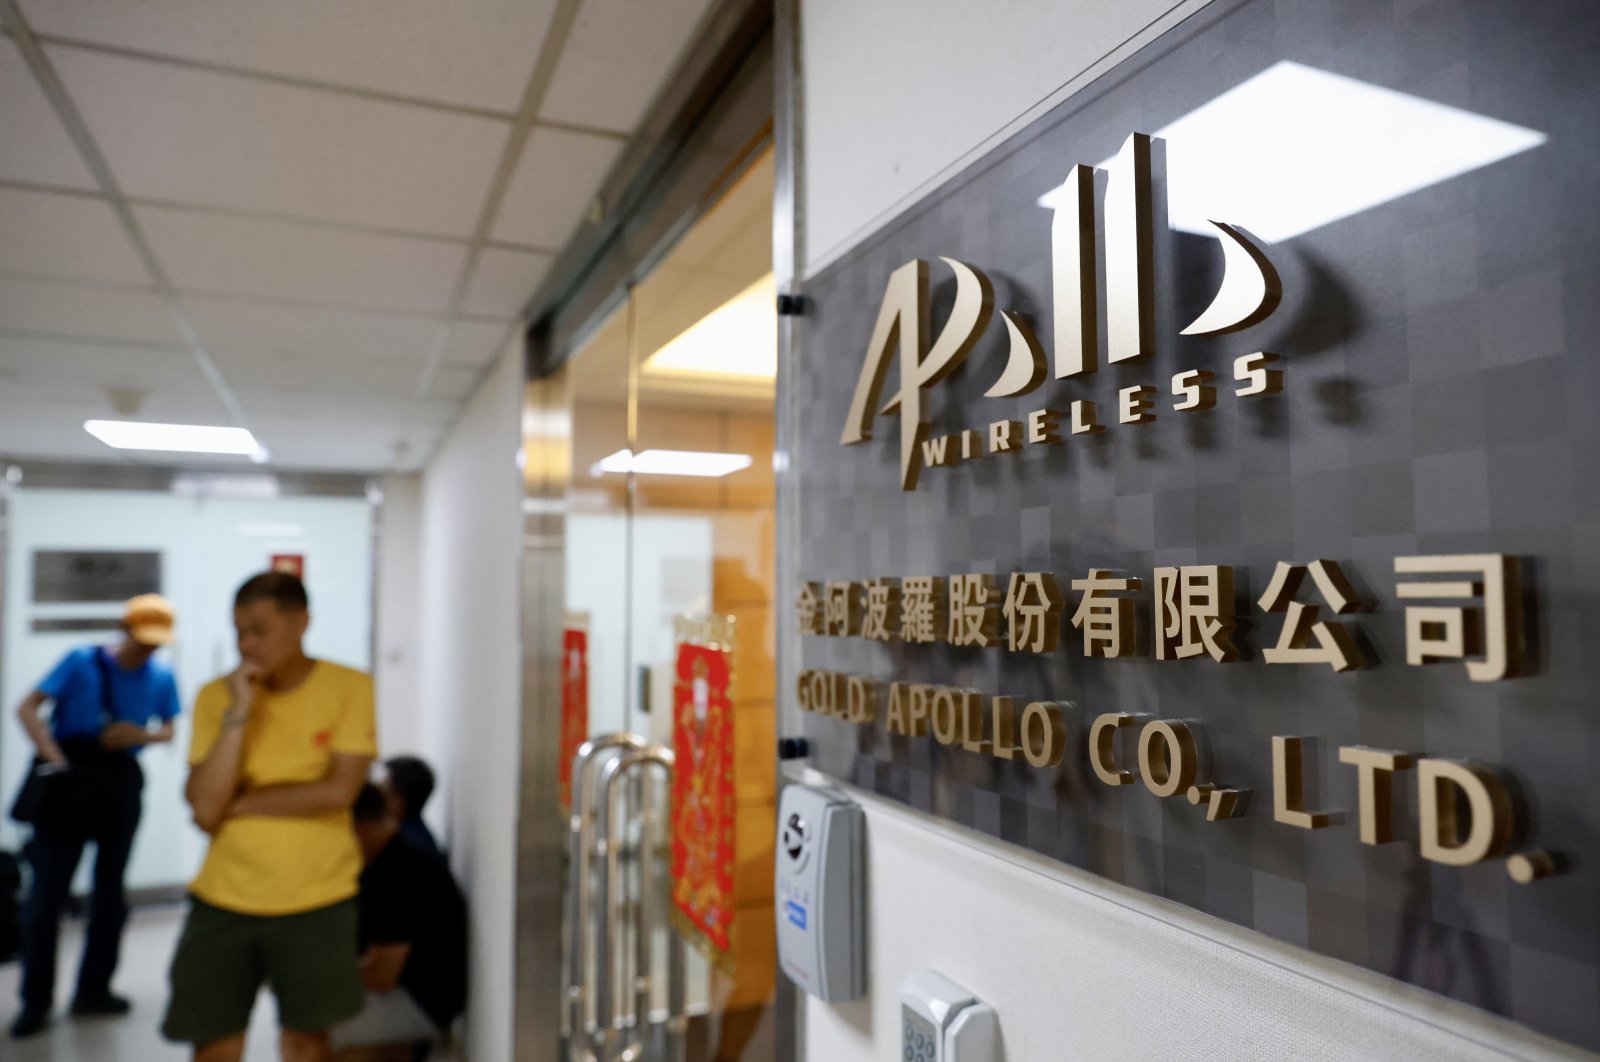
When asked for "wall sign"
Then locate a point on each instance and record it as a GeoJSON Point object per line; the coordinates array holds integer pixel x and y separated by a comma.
{"type": "Point", "coordinates": [85, 575]}
{"type": "Point", "coordinates": [1220, 517]}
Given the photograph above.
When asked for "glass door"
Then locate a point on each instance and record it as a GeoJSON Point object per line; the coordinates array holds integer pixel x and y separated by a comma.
{"type": "Point", "coordinates": [670, 592]}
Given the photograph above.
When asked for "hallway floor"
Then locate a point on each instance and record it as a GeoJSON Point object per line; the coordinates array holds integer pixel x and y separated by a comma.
{"type": "Point", "coordinates": [142, 977]}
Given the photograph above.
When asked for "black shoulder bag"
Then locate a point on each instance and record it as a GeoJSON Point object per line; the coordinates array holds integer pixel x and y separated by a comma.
{"type": "Point", "coordinates": [66, 799]}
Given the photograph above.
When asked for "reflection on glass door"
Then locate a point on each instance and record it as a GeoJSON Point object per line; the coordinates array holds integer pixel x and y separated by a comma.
{"type": "Point", "coordinates": [670, 582]}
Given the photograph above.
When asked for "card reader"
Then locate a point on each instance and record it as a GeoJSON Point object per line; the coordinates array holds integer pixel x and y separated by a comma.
{"type": "Point", "coordinates": [819, 891]}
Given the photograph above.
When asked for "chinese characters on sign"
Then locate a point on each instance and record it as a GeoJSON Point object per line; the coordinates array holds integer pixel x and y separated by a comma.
{"type": "Point", "coordinates": [1464, 810]}
{"type": "Point", "coordinates": [1193, 613]}
{"type": "Point", "coordinates": [1106, 621]}
{"type": "Point", "coordinates": [1490, 632]}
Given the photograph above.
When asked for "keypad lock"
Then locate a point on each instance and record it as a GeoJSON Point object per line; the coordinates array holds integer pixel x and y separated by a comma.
{"type": "Point", "coordinates": [942, 1022]}
{"type": "Point", "coordinates": [919, 1039]}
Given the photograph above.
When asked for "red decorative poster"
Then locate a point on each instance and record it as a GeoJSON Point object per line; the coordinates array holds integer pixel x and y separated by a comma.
{"type": "Point", "coordinates": [574, 703]}
{"type": "Point", "coordinates": [702, 792]}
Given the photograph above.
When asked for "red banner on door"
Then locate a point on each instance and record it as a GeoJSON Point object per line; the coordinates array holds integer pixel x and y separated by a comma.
{"type": "Point", "coordinates": [574, 703]}
{"type": "Point", "coordinates": [702, 792]}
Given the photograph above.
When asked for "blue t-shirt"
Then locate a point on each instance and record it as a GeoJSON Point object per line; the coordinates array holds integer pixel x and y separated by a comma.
{"type": "Point", "coordinates": [138, 696]}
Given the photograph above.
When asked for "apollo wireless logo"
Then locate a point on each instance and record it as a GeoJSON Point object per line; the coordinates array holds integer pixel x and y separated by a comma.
{"type": "Point", "coordinates": [1106, 260]}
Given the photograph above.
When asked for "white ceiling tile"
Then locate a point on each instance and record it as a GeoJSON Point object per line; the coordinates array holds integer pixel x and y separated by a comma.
{"type": "Point", "coordinates": [331, 334]}
{"type": "Point", "coordinates": [504, 281]}
{"type": "Point", "coordinates": [278, 260]}
{"type": "Point", "coordinates": [375, 439]}
{"type": "Point", "coordinates": [455, 381]}
{"type": "Point", "coordinates": [35, 425]}
{"type": "Point", "coordinates": [475, 343]}
{"type": "Point", "coordinates": [86, 312]}
{"type": "Point", "coordinates": [469, 52]}
{"type": "Point", "coordinates": [557, 177]}
{"type": "Point", "coordinates": [258, 377]}
{"type": "Point", "coordinates": [26, 362]}
{"type": "Point", "coordinates": [293, 447]}
{"type": "Point", "coordinates": [61, 235]}
{"type": "Point", "coordinates": [47, 391]}
{"type": "Point", "coordinates": [288, 431]}
{"type": "Point", "coordinates": [38, 148]}
{"type": "Point", "coordinates": [346, 457]}
{"type": "Point", "coordinates": [198, 137]}
{"type": "Point", "coordinates": [347, 413]}
{"type": "Point", "coordinates": [61, 409]}
{"type": "Point", "coordinates": [172, 406]}
{"type": "Point", "coordinates": [617, 58]}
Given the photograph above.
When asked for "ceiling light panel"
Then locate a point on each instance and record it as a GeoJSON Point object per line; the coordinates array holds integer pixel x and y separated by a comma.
{"type": "Point", "coordinates": [475, 53]}
{"type": "Point", "coordinates": [83, 311]}
{"type": "Point", "coordinates": [617, 59]}
{"type": "Point", "coordinates": [57, 235]}
{"type": "Point", "coordinates": [203, 138]}
{"type": "Point", "coordinates": [38, 148]}
{"type": "Point", "coordinates": [557, 177]}
{"type": "Point", "coordinates": [736, 341]}
{"type": "Point", "coordinates": [699, 463]}
{"type": "Point", "coordinates": [333, 334]}
{"type": "Point", "coordinates": [504, 281]}
{"type": "Point", "coordinates": [215, 254]}
{"type": "Point", "coordinates": [176, 438]}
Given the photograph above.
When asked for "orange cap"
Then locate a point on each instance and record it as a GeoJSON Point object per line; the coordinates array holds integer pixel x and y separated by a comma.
{"type": "Point", "coordinates": [149, 619]}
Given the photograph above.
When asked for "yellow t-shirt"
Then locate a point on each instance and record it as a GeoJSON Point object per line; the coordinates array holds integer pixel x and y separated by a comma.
{"type": "Point", "coordinates": [270, 865]}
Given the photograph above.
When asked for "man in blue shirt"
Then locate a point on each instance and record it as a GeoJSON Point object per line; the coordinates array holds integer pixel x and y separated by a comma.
{"type": "Point", "coordinates": [105, 699]}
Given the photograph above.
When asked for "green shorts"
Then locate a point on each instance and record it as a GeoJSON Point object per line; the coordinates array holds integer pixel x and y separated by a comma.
{"type": "Point", "coordinates": [309, 961]}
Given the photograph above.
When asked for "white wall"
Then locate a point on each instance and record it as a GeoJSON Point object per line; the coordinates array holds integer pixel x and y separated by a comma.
{"type": "Point", "coordinates": [898, 94]}
{"type": "Point", "coordinates": [1079, 968]}
{"type": "Point", "coordinates": [467, 660]}
{"type": "Point", "coordinates": [398, 622]}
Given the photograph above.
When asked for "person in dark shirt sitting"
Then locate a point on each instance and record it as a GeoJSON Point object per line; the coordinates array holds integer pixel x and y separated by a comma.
{"type": "Point", "coordinates": [408, 783]}
{"type": "Point", "coordinates": [413, 936]}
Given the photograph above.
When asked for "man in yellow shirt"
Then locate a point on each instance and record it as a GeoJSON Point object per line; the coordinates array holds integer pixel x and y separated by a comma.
{"type": "Point", "coordinates": [281, 747]}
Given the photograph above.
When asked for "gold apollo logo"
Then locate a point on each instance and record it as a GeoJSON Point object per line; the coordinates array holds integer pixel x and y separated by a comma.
{"type": "Point", "coordinates": [1103, 292]}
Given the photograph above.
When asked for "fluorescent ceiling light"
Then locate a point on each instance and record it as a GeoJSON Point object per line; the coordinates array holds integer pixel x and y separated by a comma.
{"type": "Point", "coordinates": [674, 463]}
{"type": "Point", "coordinates": [737, 340]}
{"type": "Point", "coordinates": [184, 438]}
{"type": "Point", "coordinates": [1295, 148]}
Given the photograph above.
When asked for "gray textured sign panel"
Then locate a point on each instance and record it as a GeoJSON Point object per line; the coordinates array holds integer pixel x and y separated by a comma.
{"type": "Point", "coordinates": [1441, 383]}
